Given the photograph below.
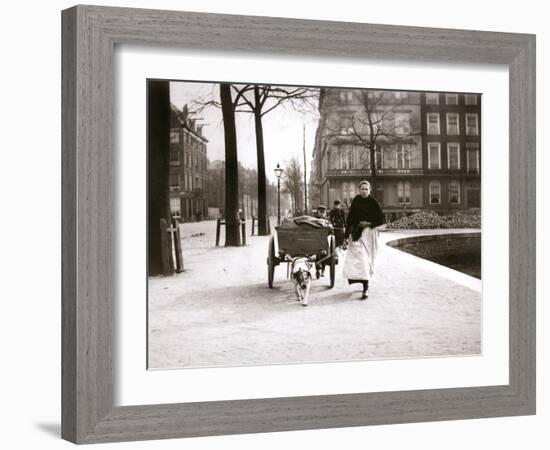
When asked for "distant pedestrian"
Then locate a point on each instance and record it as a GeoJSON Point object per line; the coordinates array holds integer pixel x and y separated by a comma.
{"type": "Point", "coordinates": [321, 212]}
{"type": "Point", "coordinates": [365, 215]}
{"type": "Point", "coordinates": [337, 218]}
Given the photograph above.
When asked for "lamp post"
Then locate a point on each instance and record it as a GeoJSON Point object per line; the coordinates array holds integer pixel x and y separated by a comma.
{"type": "Point", "coordinates": [278, 173]}
{"type": "Point", "coordinates": [305, 173]}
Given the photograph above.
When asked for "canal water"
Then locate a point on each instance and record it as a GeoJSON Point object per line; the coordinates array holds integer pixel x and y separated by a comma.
{"type": "Point", "coordinates": [461, 251]}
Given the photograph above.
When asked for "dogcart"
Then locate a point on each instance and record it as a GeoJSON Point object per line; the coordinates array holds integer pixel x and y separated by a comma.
{"type": "Point", "coordinates": [317, 244]}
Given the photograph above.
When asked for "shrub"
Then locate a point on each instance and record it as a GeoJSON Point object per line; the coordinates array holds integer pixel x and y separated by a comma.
{"type": "Point", "coordinates": [431, 220]}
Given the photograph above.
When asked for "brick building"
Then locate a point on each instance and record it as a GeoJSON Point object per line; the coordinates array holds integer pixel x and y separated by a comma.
{"type": "Point", "coordinates": [188, 167]}
{"type": "Point", "coordinates": [451, 144]}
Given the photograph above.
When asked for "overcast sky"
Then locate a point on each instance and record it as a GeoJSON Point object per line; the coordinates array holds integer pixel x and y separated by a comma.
{"type": "Point", "coordinates": [282, 129]}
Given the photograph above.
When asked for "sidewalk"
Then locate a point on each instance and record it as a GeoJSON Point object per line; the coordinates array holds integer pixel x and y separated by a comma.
{"type": "Point", "coordinates": [220, 311]}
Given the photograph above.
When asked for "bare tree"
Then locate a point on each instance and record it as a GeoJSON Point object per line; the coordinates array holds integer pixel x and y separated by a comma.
{"type": "Point", "coordinates": [158, 157]}
{"type": "Point", "coordinates": [374, 125]}
{"type": "Point", "coordinates": [259, 100]}
{"type": "Point", "coordinates": [293, 182]}
{"type": "Point", "coordinates": [232, 237]}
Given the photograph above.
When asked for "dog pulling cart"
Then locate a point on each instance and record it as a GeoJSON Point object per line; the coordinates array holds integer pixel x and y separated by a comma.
{"type": "Point", "coordinates": [315, 243]}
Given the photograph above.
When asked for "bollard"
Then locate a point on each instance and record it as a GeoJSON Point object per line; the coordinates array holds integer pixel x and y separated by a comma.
{"type": "Point", "coordinates": [218, 225]}
{"type": "Point", "coordinates": [165, 249]}
{"type": "Point", "coordinates": [242, 237]}
{"type": "Point", "coordinates": [243, 232]}
{"type": "Point", "coordinates": [177, 241]}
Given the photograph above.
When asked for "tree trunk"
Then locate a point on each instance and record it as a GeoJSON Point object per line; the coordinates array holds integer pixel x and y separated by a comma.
{"type": "Point", "coordinates": [158, 158]}
{"type": "Point", "coordinates": [262, 196]}
{"type": "Point", "coordinates": [372, 150]}
{"type": "Point", "coordinates": [232, 237]}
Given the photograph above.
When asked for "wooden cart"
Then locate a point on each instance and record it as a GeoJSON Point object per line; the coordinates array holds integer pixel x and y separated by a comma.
{"type": "Point", "coordinates": [318, 245]}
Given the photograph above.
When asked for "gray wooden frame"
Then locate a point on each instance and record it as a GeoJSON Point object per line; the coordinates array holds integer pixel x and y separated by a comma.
{"type": "Point", "coordinates": [89, 37]}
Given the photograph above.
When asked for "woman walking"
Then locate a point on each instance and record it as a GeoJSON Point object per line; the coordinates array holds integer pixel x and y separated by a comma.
{"type": "Point", "coordinates": [365, 215]}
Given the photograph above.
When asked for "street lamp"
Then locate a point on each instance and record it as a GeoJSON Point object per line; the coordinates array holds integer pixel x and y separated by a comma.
{"type": "Point", "coordinates": [278, 173]}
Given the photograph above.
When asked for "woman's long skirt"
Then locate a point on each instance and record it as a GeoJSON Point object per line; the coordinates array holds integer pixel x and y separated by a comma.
{"type": "Point", "coordinates": [361, 256]}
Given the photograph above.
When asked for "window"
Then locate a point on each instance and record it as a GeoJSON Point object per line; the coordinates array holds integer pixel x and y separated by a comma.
{"type": "Point", "coordinates": [174, 182]}
{"type": "Point", "coordinates": [415, 156]}
{"type": "Point", "coordinates": [453, 156]}
{"type": "Point", "coordinates": [346, 96]}
{"type": "Point", "coordinates": [175, 207]}
{"type": "Point", "coordinates": [174, 137]}
{"type": "Point", "coordinates": [347, 156]}
{"type": "Point", "coordinates": [348, 192]}
{"type": "Point", "coordinates": [470, 99]}
{"type": "Point", "coordinates": [432, 99]}
{"type": "Point", "coordinates": [403, 156]}
{"type": "Point", "coordinates": [404, 192]}
{"type": "Point", "coordinates": [402, 123]}
{"type": "Point", "coordinates": [390, 157]}
{"type": "Point", "coordinates": [454, 192]}
{"type": "Point", "coordinates": [346, 124]}
{"type": "Point", "coordinates": [333, 158]}
{"type": "Point", "coordinates": [379, 122]}
{"type": "Point", "coordinates": [399, 95]}
{"type": "Point", "coordinates": [434, 155]}
{"type": "Point", "coordinates": [472, 161]}
{"type": "Point", "coordinates": [452, 124]}
{"type": "Point", "coordinates": [362, 157]}
{"type": "Point", "coordinates": [451, 99]}
{"type": "Point", "coordinates": [433, 123]}
{"type": "Point", "coordinates": [471, 125]}
{"type": "Point", "coordinates": [174, 157]}
{"type": "Point", "coordinates": [378, 157]}
{"type": "Point", "coordinates": [435, 193]}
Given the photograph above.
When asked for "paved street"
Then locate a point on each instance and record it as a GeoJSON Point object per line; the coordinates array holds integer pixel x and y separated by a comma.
{"type": "Point", "coordinates": [220, 311]}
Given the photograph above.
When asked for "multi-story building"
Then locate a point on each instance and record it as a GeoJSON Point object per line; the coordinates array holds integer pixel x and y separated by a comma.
{"type": "Point", "coordinates": [397, 141]}
{"type": "Point", "coordinates": [451, 143]}
{"type": "Point", "coordinates": [188, 167]}
{"type": "Point", "coordinates": [359, 129]}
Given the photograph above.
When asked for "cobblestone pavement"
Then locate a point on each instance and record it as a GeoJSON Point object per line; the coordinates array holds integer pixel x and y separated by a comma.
{"type": "Point", "coordinates": [220, 311]}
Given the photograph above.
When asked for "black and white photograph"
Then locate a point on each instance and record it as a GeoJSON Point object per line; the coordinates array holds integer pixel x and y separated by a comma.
{"type": "Point", "coordinates": [275, 225]}
{"type": "Point", "coordinates": [303, 224]}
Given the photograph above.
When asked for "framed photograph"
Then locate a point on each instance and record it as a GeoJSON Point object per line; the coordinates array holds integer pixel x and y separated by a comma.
{"type": "Point", "coordinates": [264, 229]}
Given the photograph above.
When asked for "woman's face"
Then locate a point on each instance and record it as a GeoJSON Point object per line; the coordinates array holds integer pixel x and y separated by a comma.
{"type": "Point", "coordinates": [364, 190]}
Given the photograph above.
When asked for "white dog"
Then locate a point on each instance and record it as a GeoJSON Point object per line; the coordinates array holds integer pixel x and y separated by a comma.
{"type": "Point", "coordinates": [301, 277]}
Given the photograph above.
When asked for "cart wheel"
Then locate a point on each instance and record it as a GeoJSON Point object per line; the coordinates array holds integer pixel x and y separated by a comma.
{"type": "Point", "coordinates": [271, 262]}
{"type": "Point", "coordinates": [332, 250]}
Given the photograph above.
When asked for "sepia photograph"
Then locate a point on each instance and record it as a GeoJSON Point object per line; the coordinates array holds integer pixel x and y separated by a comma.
{"type": "Point", "coordinates": [311, 224]}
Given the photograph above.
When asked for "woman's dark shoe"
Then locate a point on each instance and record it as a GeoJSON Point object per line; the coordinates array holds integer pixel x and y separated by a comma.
{"type": "Point", "coordinates": [365, 294]}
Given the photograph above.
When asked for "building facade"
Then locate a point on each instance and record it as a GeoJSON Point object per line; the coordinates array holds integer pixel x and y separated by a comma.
{"type": "Point", "coordinates": [451, 147]}
{"type": "Point", "coordinates": [188, 167]}
{"type": "Point", "coordinates": [419, 150]}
